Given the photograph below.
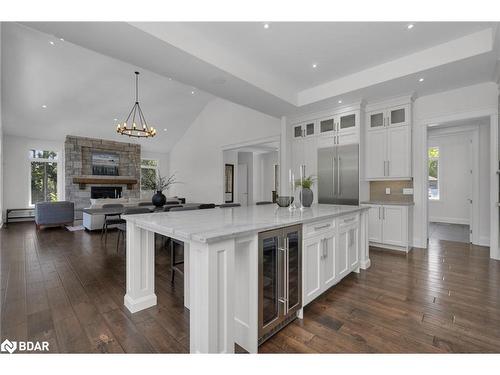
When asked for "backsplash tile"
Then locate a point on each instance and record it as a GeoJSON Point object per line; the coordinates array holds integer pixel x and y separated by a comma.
{"type": "Point", "coordinates": [377, 191]}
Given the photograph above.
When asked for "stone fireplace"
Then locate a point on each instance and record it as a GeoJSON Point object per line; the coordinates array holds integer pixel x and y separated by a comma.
{"type": "Point", "coordinates": [79, 179]}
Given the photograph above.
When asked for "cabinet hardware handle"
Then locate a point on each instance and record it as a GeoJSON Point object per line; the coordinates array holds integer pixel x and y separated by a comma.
{"type": "Point", "coordinates": [388, 168]}
{"type": "Point", "coordinates": [322, 227]}
{"type": "Point", "coordinates": [379, 213]}
{"type": "Point", "coordinates": [383, 213]}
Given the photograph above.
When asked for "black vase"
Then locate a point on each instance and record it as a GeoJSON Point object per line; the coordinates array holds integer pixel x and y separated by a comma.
{"type": "Point", "coordinates": [159, 199]}
{"type": "Point", "coordinates": [306, 197]}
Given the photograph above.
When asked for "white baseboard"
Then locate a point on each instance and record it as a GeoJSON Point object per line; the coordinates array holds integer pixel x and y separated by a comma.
{"type": "Point", "coordinates": [484, 241]}
{"type": "Point", "coordinates": [449, 220]}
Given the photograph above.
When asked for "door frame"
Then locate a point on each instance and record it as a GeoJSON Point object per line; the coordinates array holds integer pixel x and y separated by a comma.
{"type": "Point", "coordinates": [240, 186]}
{"type": "Point", "coordinates": [492, 114]}
{"type": "Point", "coordinates": [473, 132]}
{"type": "Point", "coordinates": [233, 146]}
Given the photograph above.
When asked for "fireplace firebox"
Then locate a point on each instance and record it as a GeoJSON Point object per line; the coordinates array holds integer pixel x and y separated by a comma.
{"type": "Point", "coordinates": [97, 192]}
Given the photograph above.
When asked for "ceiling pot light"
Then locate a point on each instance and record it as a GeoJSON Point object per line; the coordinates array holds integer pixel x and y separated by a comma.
{"type": "Point", "coordinates": [139, 129]}
{"type": "Point", "coordinates": [315, 65]}
{"type": "Point", "coordinates": [51, 43]}
{"type": "Point", "coordinates": [266, 26]}
{"type": "Point", "coordinates": [421, 80]}
{"type": "Point", "coordinates": [340, 101]}
{"type": "Point", "coordinates": [44, 106]}
{"type": "Point", "coordinates": [165, 129]}
{"type": "Point", "coordinates": [192, 92]}
{"type": "Point", "coordinates": [410, 26]}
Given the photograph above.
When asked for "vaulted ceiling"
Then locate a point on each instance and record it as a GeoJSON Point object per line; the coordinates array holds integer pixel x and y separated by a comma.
{"type": "Point", "coordinates": [279, 68]}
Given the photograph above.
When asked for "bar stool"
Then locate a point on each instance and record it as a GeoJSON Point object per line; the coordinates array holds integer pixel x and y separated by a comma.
{"type": "Point", "coordinates": [122, 228]}
{"type": "Point", "coordinates": [228, 205]}
{"type": "Point", "coordinates": [111, 219]}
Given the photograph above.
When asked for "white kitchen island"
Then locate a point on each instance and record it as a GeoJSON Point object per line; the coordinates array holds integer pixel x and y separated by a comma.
{"type": "Point", "coordinates": [221, 264]}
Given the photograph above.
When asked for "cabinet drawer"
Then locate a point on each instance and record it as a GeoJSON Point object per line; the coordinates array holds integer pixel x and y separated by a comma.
{"type": "Point", "coordinates": [348, 220]}
{"type": "Point", "coordinates": [318, 227]}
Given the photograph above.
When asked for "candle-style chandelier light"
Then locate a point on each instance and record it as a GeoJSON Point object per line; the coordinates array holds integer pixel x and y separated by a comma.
{"type": "Point", "coordinates": [130, 126]}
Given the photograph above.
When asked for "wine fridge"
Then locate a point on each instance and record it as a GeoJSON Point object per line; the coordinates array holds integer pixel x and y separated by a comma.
{"type": "Point", "coordinates": [280, 278]}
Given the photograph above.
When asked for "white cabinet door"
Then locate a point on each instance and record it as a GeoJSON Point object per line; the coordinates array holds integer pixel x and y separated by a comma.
{"type": "Point", "coordinates": [353, 247]}
{"type": "Point", "coordinates": [312, 253]}
{"type": "Point", "coordinates": [375, 120]}
{"type": "Point", "coordinates": [297, 156]}
{"type": "Point", "coordinates": [342, 253]}
{"type": "Point", "coordinates": [328, 271]}
{"type": "Point", "coordinates": [398, 116]}
{"type": "Point", "coordinates": [394, 225]}
{"type": "Point", "coordinates": [375, 224]}
{"type": "Point", "coordinates": [376, 153]}
{"type": "Point", "coordinates": [398, 152]}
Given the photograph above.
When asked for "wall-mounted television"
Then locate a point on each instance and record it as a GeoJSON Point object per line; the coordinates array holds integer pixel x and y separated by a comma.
{"type": "Point", "coordinates": [105, 163]}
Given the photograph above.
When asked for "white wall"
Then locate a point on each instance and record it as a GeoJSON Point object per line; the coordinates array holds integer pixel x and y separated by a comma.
{"type": "Point", "coordinates": [198, 156]}
{"type": "Point", "coordinates": [1, 135]}
{"type": "Point", "coordinates": [455, 179]}
{"type": "Point", "coordinates": [467, 102]}
{"type": "Point", "coordinates": [16, 177]}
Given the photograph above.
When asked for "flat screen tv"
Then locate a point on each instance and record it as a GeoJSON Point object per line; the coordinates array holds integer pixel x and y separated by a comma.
{"type": "Point", "coordinates": [105, 163]}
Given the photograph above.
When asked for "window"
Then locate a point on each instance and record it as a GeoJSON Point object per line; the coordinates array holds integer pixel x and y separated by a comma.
{"type": "Point", "coordinates": [149, 172]}
{"type": "Point", "coordinates": [43, 176]}
{"type": "Point", "coordinates": [433, 168]}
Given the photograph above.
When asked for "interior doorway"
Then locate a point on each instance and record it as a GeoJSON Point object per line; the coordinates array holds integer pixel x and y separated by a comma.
{"type": "Point", "coordinates": [458, 181]}
{"type": "Point", "coordinates": [256, 171]}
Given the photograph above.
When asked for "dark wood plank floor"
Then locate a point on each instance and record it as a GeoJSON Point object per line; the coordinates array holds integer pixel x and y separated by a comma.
{"type": "Point", "coordinates": [67, 288]}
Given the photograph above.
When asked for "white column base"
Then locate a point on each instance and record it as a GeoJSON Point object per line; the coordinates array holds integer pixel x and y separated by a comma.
{"type": "Point", "coordinates": [135, 305]}
{"type": "Point", "coordinates": [365, 264]}
{"type": "Point", "coordinates": [140, 269]}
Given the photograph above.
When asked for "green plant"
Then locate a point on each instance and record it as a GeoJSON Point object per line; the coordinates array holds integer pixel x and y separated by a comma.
{"type": "Point", "coordinates": [306, 183]}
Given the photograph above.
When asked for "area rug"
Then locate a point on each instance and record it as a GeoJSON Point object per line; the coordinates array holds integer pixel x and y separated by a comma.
{"type": "Point", "coordinates": [75, 228]}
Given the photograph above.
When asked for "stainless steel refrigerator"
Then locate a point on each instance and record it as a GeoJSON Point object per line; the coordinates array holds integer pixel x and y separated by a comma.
{"type": "Point", "coordinates": [338, 175]}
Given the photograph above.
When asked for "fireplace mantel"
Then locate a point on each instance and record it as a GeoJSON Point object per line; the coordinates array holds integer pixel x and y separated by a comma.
{"type": "Point", "coordinates": [105, 180]}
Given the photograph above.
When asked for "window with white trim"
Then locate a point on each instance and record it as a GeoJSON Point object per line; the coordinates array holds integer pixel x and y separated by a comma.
{"type": "Point", "coordinates": [433, 173]}
{"type": "Point", "coordinates": [149, 173]}
{"type": "Point", "coordinates": [43, 176]}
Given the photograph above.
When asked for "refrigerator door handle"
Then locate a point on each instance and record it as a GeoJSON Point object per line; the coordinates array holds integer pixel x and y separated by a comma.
{"type": "Point", "coordinates": [338, 176]}
{"type": "Point", "coordinates": [333, 174]}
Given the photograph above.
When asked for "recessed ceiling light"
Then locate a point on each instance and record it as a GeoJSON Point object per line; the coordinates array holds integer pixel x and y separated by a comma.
{"type": "Point", "coordinates": [51, 43]}
{"type": "Point", "coordinates": [115, 119]}
{"type": "Point", "coordinates": [169, 78]}
{"type": "Point", "coordinates": [165, 130]}
{"type": "Point", "coordinates": [266, 26]}
{"type": "Point", "coordinates": [340, 101]}
{"type": "Point", "coordinates": [421, 80]}
{"type": "Point", "coordinates": [61, 39]}
{"type": "Point", "coordinates": [315, 65]}
{"type": "Point", "coordinates": [44, 106]}
{"type": "Point", "coordinates": [192, 92]}
{"type": "Point", "coordinates": [410, 26]}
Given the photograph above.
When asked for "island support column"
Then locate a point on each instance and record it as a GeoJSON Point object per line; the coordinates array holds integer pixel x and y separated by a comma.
{"type": "Point", "coordinates": [140, 268]}
{"type": "Point", "coordinates": [211, 269]}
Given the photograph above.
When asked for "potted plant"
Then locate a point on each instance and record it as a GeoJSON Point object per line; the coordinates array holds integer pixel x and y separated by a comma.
{"type": "Point", "coordinates": [161, 184]}
{"type": "Point", "coordinates": [306, 194]}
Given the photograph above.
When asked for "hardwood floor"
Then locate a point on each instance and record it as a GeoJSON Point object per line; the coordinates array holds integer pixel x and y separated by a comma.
{"type": "Point", "coordinates": [67, 288]}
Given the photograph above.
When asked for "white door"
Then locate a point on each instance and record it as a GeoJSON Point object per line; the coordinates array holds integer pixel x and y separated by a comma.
{"type": "Point", "coordinates": [394, 225]}
{"type": "Point", "coordinates": [375, 224]}
{"type": "Point", "coordinates": [311, 262]}
{"type": "Point", "coordinates": [243, 184]}
{"type": "Point", "coordinates": [329, 273]}
{"type": "Point", "coordinates": [376, 152]}
{"type": "Point", "coordinates": [398, 152]}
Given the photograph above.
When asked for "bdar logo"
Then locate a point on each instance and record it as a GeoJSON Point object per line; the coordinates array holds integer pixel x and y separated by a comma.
{"type": "Point", "coordinates": [8, 346]}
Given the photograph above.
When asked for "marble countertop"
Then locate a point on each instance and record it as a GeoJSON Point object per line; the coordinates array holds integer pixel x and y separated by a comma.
{"type": "Point", "coordinates": [217, 224]}
{"type": "Point", "coordinates": [389, 203]}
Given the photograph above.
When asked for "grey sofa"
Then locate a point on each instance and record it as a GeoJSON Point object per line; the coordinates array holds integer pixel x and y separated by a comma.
{"type": "Point", "coordinates": [54, 213]}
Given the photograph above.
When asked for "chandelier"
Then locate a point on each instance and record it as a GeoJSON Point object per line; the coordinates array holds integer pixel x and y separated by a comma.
{"type": "Point", "coordinates": [130, 126]}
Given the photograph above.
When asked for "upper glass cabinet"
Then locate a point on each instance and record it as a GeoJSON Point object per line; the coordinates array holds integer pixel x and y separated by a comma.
{"type": "Point", "coordinates": [347, 121]}
{"type": "Point", "coordinates": [327, 125]}
{"type": "Point", "coordinates": [376, 120]}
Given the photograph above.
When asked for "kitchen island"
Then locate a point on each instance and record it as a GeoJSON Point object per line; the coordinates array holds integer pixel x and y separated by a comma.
{"type": "Point", "coordinates": [221, 249]}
